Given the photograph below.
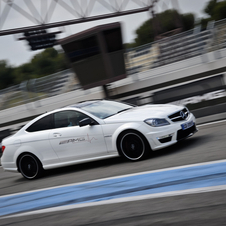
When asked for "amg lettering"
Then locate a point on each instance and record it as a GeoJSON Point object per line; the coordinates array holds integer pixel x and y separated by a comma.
{"type": "Point", "coordinates": [79, 139]}
{"type": "Point", "coordinates": [73, 140]}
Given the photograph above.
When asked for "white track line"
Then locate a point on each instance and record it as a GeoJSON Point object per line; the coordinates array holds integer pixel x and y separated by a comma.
{"type": "Point", "coordinates": [121, 200]}
{"type": "Point", "coordinates": [121, 176]}
{"type": "Point", "coordinates": [211, 123]}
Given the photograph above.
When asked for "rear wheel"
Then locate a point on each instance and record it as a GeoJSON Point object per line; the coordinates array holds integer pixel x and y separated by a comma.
{"type": "Point", "coordinates": [30, 167]}
{"type": "Point", "coordinates": [133, 146]}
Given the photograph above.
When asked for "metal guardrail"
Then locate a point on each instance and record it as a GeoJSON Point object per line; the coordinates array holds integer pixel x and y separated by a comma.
{"type": "Point", "coordinates": [36, 89]}
{"type": "Point", "coordinates": [177, 47]}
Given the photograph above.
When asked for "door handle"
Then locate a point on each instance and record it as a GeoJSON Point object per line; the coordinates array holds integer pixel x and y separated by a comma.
{"type": "Point", "coordinates": [57, 135]}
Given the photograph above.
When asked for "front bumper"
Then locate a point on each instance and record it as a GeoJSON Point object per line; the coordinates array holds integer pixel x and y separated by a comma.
{"type": "Point", "coordinates": [164, 136]}
{"type": "Point", "coordinates": [183, 134]}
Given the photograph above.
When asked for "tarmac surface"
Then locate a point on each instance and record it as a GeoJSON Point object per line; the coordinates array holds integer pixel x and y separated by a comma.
{"type": "Point", "coordinates": [206, 208]}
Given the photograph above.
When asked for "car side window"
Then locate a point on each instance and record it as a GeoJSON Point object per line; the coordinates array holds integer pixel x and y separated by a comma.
{"type": "Point", "coordinates": [68, 118]}
{"type": "Point", "coordinates": [44, 123]}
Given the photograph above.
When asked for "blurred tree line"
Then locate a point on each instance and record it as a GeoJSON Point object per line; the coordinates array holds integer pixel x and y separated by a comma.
{"type": "Point", "coordinates": [45, 63]}
{"type": "Point", "coordinates": [214, 9]}
{"type": "Point", "coordinates": [145, 33]}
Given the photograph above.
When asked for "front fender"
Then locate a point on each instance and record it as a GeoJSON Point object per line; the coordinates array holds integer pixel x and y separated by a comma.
{"type": "Point", "coordinates": [132, 125]}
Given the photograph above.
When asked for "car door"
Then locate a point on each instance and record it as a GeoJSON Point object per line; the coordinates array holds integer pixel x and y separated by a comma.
{"type": "Point", "coordinates": [72, 142]}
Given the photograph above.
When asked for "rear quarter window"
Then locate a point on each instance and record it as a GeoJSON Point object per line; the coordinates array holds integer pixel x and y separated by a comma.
{"type": "Point", "coordinates": [44, 123]}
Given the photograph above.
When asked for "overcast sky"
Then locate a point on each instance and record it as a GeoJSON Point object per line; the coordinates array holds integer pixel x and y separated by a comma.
{"type": "Point", "coordinates": [17, 52]}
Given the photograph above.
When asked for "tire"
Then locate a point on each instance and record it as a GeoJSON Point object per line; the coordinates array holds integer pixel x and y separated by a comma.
{"type": "Point", "coordinates": [30, 166]}
{"type": "Point", "coordinates": [133, 145]}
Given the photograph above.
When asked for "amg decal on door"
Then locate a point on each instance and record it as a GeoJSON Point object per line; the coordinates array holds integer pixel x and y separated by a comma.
{"type": "Point", "coordinates": [80, 139]}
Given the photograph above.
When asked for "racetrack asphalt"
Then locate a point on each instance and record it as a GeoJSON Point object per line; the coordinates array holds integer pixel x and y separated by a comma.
{"type": "Point", "coordinates": [193, 209]}
{"type": "Point", "coordinates": [206, 175]}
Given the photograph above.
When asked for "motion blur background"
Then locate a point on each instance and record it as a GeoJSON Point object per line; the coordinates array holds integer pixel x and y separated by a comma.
{"type": "Point", "coordinates": [174, 52]}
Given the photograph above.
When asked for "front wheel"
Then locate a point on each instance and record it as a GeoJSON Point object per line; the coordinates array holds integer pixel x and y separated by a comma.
{"type": "Point", "coordinates": [30, 167]}
{"type": "Point", "coordinates": [133, 145]}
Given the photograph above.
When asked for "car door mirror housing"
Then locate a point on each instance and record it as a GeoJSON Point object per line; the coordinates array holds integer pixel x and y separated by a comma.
{"type": "Point", "coordinates": [85, 122]}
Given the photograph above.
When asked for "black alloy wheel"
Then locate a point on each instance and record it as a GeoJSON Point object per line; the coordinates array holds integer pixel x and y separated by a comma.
{"type": "Point", "coordinates": [133, 146]}
{"type": "Point", "coordinates": [30, 167]}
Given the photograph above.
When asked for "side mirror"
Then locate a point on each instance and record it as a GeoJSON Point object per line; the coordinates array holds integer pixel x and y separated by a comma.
{"type": "Point", "coordinates": [85, 122]}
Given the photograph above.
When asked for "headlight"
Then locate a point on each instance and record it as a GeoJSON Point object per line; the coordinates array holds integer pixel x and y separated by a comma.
{"type": "Point", "coordinates": [156, 122]}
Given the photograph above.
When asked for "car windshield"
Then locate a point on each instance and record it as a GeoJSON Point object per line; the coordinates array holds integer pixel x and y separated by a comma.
{"type": "Point", "coordinates": [104, 109]}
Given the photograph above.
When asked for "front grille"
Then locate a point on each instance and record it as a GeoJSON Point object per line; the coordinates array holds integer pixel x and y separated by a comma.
{"type": "Point", "coordinates": [182, 134]}
{"type": "Point", "coordinates": [179, 116]}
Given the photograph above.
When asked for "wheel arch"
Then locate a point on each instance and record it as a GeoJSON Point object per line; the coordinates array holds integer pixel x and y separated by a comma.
{"type": "Point", "coordinates": [24, 153]}
{"type": "Point", "coordinates": [136, 127]}
{"type": "Point", "coordinates": [26, 149]}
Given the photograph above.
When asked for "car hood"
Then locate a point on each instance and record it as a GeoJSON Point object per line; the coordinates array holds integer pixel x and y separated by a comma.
{"type": "Point", "coordinates": [144, 112]}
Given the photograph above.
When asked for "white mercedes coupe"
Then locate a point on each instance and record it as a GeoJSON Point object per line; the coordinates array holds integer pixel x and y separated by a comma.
{"type": "Point", "coordinates": [93, 130]}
